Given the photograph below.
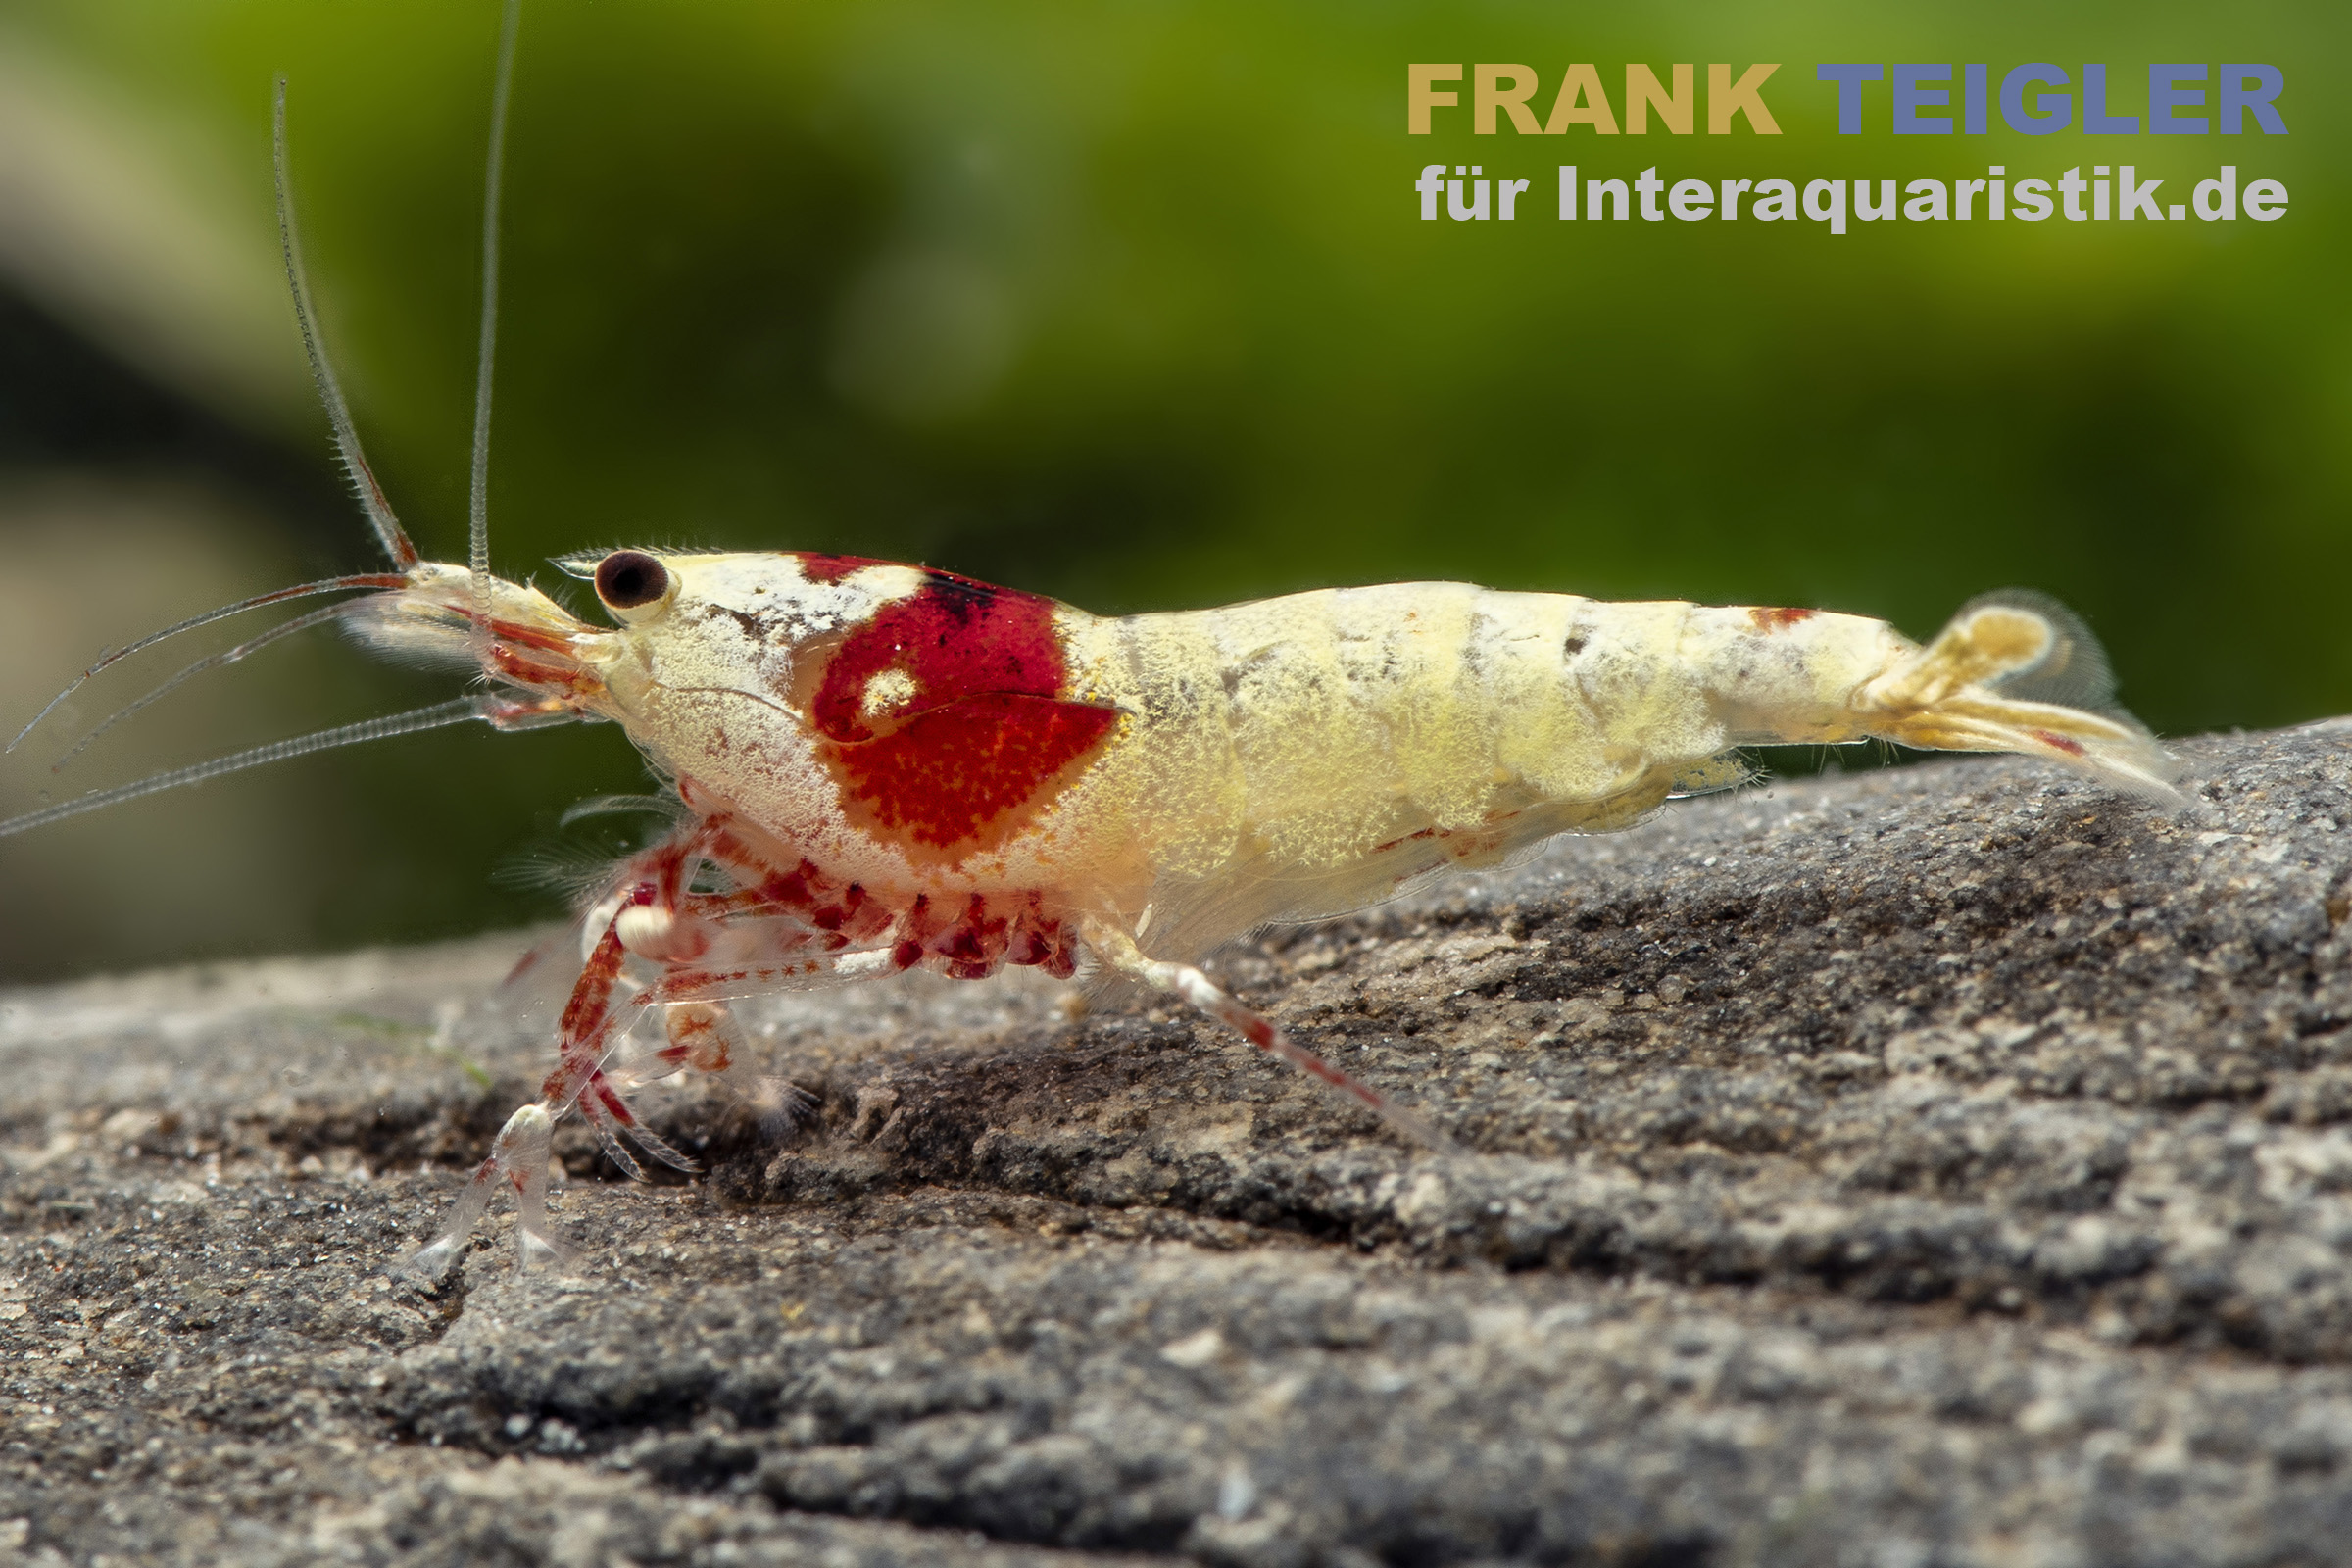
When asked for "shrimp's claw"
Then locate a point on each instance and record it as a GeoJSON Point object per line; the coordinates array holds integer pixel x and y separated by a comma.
{"type": "Point", "coordinates": [518, 1159]}
{"type": "Point", "coordinates": [2018, 671]}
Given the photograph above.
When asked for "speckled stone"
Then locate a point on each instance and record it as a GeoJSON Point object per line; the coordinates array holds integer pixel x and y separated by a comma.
{"type": "Point", "coordinates": [1948, 1165]}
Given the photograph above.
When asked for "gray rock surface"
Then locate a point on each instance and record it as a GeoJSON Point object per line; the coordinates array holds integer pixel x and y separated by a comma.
{"type": "Point", "coordinates": [1944, 1165]}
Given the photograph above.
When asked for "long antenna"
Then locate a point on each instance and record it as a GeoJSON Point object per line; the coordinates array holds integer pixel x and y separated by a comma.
{"type": "Point", "coordinates": [372, 501]}
{"type": "Point", "coordinates": [325, 585]}
{"type": "Point", "coordinates": [228, 656]}
{"type": "Point", "coordinates": [478, 496]}
{"type": "Point", "coordinates": [455, 712]}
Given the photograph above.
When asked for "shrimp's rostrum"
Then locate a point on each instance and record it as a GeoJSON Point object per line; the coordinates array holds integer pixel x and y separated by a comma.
{"type": "Point", "coordinates": [880, 767]}
{"type": "Point", "coordinates": [892, 768]}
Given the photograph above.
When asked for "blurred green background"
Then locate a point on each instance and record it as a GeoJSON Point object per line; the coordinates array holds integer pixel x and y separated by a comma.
{"type": "Point", "coordinates": [1130, 304]}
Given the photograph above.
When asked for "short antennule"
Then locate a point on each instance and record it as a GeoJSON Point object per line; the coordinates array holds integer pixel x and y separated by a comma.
{"type": "Point", "coordinates": [372, 501]}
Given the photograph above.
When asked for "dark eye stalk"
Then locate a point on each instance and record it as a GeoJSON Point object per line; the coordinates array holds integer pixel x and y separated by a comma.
{"type": "Point", "coordinates": [630, 579]}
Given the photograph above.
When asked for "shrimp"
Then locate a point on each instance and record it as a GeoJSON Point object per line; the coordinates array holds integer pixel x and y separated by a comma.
{"type": "Point", "coordinates": [878, 767]}
{"type": "Point", "coordinates": [895, 767]}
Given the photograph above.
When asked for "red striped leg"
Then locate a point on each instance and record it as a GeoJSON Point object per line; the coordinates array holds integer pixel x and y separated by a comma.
{"type": "Point", "coordinates": [694, 983]}
{"type": "Point", "coordinates": [1118, 949]}
{"type": "Point", "coordinates": [600, 1094]}
{"type": "Point", "coordinates": [519, 1157]}
{"type": "Point", "coordinates": [605, 1109]}
{"type": "Point", "coordinates": [743, 954]}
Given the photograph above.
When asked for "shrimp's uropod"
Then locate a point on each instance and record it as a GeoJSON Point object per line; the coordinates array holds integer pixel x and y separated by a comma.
{"type": "Point", "coordinates": [880, 767]}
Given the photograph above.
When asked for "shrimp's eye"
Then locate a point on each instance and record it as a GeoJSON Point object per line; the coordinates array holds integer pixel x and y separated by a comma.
{"type": "Point", "coordinates": [630, 579]}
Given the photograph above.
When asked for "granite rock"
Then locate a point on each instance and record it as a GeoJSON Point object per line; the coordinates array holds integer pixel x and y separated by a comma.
{"type": "Point", "coordinates": [1947, 1165]}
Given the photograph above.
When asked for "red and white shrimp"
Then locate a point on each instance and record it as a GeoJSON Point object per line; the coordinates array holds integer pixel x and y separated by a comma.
{"type": "Point", "coordinates": [886, 767]}
{"type": "Point", "coordinates": [892, 768]}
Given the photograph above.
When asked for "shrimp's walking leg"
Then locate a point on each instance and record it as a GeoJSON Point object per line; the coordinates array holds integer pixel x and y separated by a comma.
{"type": "Point", "coordinates": [690, 994]}
{"type": "Point", "coordinates": [704, 1036]}
{"type": "Point", "coordinates": [1118, 949]}
{"type": "Point", "coordinates": [701, 1034]}
{"type": "Point", "coordinates": [711, 946]}
{"type": "Point", "coordinates": [520, 1154]}
{"type": "Point", "coordinates": [776, 917]}
{"type": "Point", "coordinates": [519, 1157]}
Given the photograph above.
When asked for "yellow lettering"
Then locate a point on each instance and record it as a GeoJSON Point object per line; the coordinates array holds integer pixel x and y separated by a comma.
{"type": "Point", "coordinates": [1582, 101]}
{"type": "Point", "coordinates": [1644, 91]}
{"type": "Point", "coordinates": [1420, 96]}
{"type": "Point", "coordinates": [1489, 94]}
{"type": "Point", "coordinates": [1725, 98]}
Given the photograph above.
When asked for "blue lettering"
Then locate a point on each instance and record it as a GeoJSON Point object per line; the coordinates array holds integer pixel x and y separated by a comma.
{"type": "Point", "coordinates": [2030, 122]}
{"type": "Point", "coordinates": [2096, 121]}
{"type": "Point", "coordinates": [2165, 94]}
{"type": "Point", "coordinates": [1850, 79]}
{"type": "Point", "coordinates": [2238, 97]}
{"type": "Point", "coordinates": [1910, 97]}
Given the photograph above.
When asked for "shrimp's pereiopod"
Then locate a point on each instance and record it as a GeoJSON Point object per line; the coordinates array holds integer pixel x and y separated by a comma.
{"type": "Point", "coordinates": [877, 768]}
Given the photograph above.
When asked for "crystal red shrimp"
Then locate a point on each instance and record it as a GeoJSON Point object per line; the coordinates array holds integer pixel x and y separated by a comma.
{"type": "Point", "coordinates": [884, 767]}
{"type": "Point", "coordinates": [894, 767]}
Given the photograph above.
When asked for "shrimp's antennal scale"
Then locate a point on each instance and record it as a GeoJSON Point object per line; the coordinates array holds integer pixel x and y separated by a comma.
{"type": "Point", "coordinates": [479, 487]}
{"type": "Point", "coordinates": [371, 497]}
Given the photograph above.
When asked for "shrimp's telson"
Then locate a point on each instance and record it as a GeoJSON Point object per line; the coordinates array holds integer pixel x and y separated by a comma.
{"type": "Point", "coordinates": [890, 767]}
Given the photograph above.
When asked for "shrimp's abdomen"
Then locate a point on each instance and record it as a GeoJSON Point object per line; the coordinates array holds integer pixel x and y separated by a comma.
{"type": "Point", "coordinates": [1311, 753]}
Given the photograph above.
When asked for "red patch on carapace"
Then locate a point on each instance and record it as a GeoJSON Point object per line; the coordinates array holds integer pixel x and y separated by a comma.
{"type": "Point", "coordinates": [1768, 618]}
{"type": "Point", "coordinates": [973, 734]}
{"type": "Point", "coordinates": [960, 776]}
{"type": "Point", "coordinates": [953, 638]}
{"type": "Point", "coordinates": [2065, 743]}
{"type": "Point", "coordinates": [832, 568]}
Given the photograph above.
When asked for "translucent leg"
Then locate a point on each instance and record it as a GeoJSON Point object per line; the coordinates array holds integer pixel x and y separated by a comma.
{"type": "Point", "coordinates": [518, 1159]}
{"type": "Point", "coordinates": [1118, 949]}
{"type": "Point", "coordinates": [609, 1114]}
{"type": "Point", "coordinates": [534, 1243]}
{"type": "Point", "coordinates": [704, 1036]}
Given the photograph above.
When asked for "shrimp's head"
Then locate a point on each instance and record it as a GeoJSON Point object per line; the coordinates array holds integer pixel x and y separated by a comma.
{"type": "Point", "coordinates": [921, 708]}
{"type": "Point", "coordinates": [936, 711]}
